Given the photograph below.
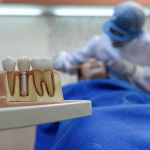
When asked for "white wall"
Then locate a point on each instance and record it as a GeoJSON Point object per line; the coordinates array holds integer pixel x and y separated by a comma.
{"type": "Point", "coordinates": [23, 36]}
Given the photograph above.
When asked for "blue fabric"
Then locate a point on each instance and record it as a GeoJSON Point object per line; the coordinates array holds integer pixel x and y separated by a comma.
{"type": "Point", "coordinates": [120, 119]}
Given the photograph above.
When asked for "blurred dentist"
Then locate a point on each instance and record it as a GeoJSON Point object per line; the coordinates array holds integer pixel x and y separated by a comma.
{"type": "Point", "coordinates": [124, 48]}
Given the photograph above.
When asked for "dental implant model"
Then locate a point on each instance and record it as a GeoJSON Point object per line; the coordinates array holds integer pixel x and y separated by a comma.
{"type": "Point", "coordinates": [25, 87]}
{"type": "Point", "coordinates": [23, 66]}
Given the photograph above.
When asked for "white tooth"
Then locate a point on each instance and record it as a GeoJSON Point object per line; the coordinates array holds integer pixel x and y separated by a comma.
{"type": "Point", "coordinates": [9, 64]}
{"type": "Point", "coordinates": [42, 71]}
{"type": "Point", "coordinates": [41, 64]}
{"type": "Point", "coordinates": [23, 66]}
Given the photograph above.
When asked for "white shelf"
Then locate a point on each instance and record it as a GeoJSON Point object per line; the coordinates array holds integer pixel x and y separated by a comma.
{"type": "Point", "coordinates": [17, 117]}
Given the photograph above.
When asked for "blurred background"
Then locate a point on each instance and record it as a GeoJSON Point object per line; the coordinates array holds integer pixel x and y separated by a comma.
{"type": "Point", "coordinates": [44, 28]}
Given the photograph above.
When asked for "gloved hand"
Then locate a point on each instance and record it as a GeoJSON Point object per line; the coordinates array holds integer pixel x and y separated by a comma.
{"type": "Point", "coordinates": [61, 63]}
{"type": "Point", "coordinates": [121, 67]}
{"type": "Point", "coordinates": [68, 67]}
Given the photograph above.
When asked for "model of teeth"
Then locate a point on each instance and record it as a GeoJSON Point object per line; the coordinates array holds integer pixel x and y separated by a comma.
{"type": "Point", "coordinates": [23, 66]}
{"type": "Point", "coordinates": [42, 71]}
{"type": "Point", "coordinates": [9, 64]}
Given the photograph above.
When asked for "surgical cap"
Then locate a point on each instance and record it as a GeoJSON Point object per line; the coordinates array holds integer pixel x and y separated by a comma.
{"type": "Point", "coordinates": [127, 21]}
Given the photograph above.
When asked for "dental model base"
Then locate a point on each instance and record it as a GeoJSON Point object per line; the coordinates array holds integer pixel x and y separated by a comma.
{"type": "Point", "coordinates": [38, 92]}
{"type": "Point", "coordinates": [18, 117]}
{"type": "Point", "coordinates": [39, 86]}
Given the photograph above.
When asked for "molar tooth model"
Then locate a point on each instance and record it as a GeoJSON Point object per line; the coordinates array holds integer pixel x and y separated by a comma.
{"type": "Point", "coordinates": [42, 68]}
{"type": "Point", "coordinates": [39, 86]}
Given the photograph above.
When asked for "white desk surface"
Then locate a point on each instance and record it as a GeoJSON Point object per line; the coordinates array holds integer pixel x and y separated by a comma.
{"type": "Point", "coordinates": [17, 117]}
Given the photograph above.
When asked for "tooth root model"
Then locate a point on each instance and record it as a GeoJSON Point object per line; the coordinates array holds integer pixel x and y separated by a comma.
{"type": "Point", "coordinates": [42, 68]}
{"type": "Point", "coordinates": [40, 86]}
{"type": "Point", "coordinates": [9, 64]}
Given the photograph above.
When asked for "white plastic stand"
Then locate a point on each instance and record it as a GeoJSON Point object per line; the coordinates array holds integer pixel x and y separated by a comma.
{"type": "Point", "coordinates": [17, 117]}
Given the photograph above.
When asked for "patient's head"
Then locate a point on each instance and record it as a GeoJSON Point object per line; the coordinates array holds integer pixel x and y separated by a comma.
{"type": "Point", "coordinates": [92, 69]}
